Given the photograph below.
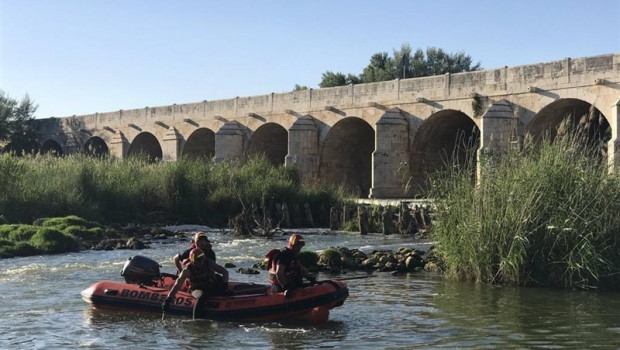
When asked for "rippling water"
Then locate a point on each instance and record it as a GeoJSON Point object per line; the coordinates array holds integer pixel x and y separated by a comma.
{"type": "Point", "coordinates": [41, 307]}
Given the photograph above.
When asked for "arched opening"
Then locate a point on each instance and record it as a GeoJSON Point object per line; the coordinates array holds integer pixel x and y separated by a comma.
{"type": "Point", "coordinates": [270, 139]}
{"type": "Point", "coordinates": [575, 115]}
{"type": "Point", "coordinates": [145, 145]}
{"type": "Point", "coordinates": [200, 144]}
{"type": "Point", "coordinates": [346, 156]}
{"type": "Point", "coordinates": [51, 147]}
{"type": "Point", "coordinates": [95, 147]}
{"type": "Point", "coordinates": [447, 138]}
{"type": "Point", "coordinates": [30, 147]}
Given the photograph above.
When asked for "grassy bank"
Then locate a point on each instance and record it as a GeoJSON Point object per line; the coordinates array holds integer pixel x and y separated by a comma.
{"type": "Point", "coordinates": [48, 236]}
{"type": "Point", "coordinates": [136, 191]}
{"type": "Point", "coordinates": [545, 215]}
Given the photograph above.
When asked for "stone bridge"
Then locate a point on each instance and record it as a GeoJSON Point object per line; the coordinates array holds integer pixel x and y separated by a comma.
{"type": "Point", "coordinates": [371, 138]}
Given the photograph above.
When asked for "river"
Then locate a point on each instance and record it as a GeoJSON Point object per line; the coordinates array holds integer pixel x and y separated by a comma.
{"type": "Point", "coordinates": [41, 307]}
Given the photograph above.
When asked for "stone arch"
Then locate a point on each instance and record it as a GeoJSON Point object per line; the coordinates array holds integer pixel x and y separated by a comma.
{"type": "Point", "coordinates": [51, 147]}
{"type": "Point", "coordinates": [446, 137]}
{"type": "Point", "coordinates": [145, 145]}
{"type": "Point", "coordinates": [578, 112]}
{"type": "Point", "coordinates": [200, 144]}
{"type": "Point", "coordinates": [270, 139]}
{"type": "Point", "coordinates": [346, 156]}
{"type": "Point", "coordinates": [96, 147]}
{"type": "Point", "coordinates": [31, 148]}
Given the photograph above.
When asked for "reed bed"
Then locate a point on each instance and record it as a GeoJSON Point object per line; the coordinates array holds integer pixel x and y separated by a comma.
{"type": "Point", "coordinates": [138, 191]}
{"type": "Point", "coordinates": [544, 215]}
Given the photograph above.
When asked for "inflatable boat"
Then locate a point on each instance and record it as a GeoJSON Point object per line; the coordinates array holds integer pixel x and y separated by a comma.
{"type": "Point", "coordinates": [145, 288]}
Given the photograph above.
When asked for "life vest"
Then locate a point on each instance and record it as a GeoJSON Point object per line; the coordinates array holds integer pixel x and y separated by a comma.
{"type": "Point", "coordinates": [208, 252]}
{"type": "Point", "coordinates": [202, 278]}
{"type": "Point", "coordinates": [270, 258]}
{"type": "Point", "coordinates": [293, 269]}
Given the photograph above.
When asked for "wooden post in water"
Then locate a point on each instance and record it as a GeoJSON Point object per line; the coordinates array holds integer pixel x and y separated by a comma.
{"type": "Point", "coordinates": [387, 225]}
{"type": "Point", "coordinates": [419, 216]}
{"type": "Point", "coordinates": [362, 220]}
{"type": "Point", "coordinates": [334, 219]}
{"type": "Point", "coordinates": [286, 217]}
{"type": "Point", "coordinates": [308, 214]}
{"type": "Point", "coordinates": [404, 218]}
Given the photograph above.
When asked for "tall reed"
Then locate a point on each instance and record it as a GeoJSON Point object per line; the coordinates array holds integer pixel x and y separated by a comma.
{"type": "Point", "coordinates": [544, 215]}
{"type": "Point", "coordinates": [135, 190]}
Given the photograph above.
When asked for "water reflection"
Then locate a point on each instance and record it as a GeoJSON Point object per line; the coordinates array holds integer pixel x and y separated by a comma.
{"type": "Point", "coordinates": [527, 316]}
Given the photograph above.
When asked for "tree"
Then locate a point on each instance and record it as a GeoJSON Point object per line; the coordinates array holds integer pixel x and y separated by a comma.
{"type": "Point", "coordinates": [17, 131]}
{"type": "Point", "coordinates": [380, 68]}
{"type": "Point", "coordinates": [404, 63]}
{"type": "Point", "coordinates": [439, 62]}
{"type": "Point", "coordinates": [330, 79]}
{"type": "Point", "coordinates": [300, 87]}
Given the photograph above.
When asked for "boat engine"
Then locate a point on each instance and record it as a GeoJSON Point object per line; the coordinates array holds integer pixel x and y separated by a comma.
{"type": "Point", "coordinates": [141, 270]}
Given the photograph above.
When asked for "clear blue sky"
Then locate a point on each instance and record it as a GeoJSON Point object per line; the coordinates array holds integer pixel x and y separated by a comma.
{"type": "Point", "coordinates": [87, 56]}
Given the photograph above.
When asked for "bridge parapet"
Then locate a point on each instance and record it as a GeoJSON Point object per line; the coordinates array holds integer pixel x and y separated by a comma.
{"type": "Point", "coordinates": [500, 81]}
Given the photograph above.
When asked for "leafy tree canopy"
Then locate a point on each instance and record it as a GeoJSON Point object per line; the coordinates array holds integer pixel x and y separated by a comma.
{"type": "Point", "coordinates": [330, 79]}
{"type": "Point", "coordinates": [300, 87]}
{"type": "Point", "coordinates": [17, 132]}
{"type": "Point", "coordinates": [404, 63]}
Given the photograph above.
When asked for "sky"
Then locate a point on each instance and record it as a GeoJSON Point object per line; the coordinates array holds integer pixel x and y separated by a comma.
{"type": "Point", "coordinates": [75, 57]}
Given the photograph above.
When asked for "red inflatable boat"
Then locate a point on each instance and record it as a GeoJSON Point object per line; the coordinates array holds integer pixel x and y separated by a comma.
{"type": "Point", "coordinates": [145, 289]}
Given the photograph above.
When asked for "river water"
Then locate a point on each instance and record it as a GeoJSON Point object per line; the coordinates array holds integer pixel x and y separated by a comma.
{"type": "Point", "coordinates": [41, 307]}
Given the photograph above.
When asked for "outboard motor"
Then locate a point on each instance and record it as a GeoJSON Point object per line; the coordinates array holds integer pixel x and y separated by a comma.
{"type": "Point", "coordinates": [141, 270]}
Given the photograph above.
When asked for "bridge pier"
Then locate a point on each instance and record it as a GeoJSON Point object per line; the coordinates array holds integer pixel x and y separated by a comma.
{"type": "Point", "coordinates": [497, 126]}
{"type": "Point", "coordinates": [229, 142]}
{"type": "Point", "coordinates": [118, 145]}
{"type": "Point", "coordinates": [170, 145]}
{"type": "Point", "coordinates": [303, 148]}
{"type": "Point", "coordinates": [390, 169]}
{"type": "Point", "coordinates": [613, 146]}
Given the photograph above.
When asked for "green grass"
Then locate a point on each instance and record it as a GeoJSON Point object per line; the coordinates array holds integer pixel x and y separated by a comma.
{"type": "Point", "coordinates": [545, 215]}
{"type": "Point", "coordinates": [137, 191]}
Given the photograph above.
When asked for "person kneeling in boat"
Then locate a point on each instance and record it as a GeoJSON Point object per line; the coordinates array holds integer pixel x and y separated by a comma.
{"type": "Point", "coordinates": [285, 270]}
{"type": "Point", "coordinates": [200, 241]}
{"type": "Point", "coordinates": [205, 278]}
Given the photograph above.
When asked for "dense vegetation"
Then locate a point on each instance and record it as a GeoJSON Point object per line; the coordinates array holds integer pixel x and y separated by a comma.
{"type": "Point", "coordinates": [17, 132]}
{"type": "Point", "coordinates": [544, 215]}
{"type": "Point", "coordinates": [48, 236]}
{"type": "Point", "coordinates": [136, 191]}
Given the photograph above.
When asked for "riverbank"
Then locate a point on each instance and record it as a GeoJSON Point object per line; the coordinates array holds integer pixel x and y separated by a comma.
{"type": "Point", "coordinates": [72, 234]}
{"type": "Point", "coordinates": [543, 215]}
{"type": "Point", "coordinates": [145, 193]}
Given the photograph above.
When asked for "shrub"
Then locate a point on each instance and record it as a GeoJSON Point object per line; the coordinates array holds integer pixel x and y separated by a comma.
{"type": "Point", "coordinates": [308, 258]}
{"type": "Point", "coordinates": [131, 191]}
{"type": "Point", "coordinates": [50, 240]}
{"type": "Point", "coordinates": [331, 258]}
{"type": "Point", "coordinates": [22, 232]}
{"type": "Point", "coordinates": [62, 223]}
{"type": "Point", "coordinates": [542, 216]}
{"type": "Point", "coordinates": [25, 249]}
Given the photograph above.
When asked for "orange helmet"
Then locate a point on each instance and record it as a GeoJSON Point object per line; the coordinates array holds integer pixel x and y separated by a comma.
{"type": "Point", "coordinates": [196, 254]}
{"type": "Point", "coordinates": [295, 240]}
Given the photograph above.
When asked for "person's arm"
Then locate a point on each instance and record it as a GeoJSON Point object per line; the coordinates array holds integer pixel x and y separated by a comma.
{"type": "Point", "coordinates": [177, 285]}
{"type": "Point", "coordinates": [177, 262]}
{"type": "Point", "coordinates": [281, 274]}
{"type": "Point", "coordinates": [219, 269]}
{"type": "Point", "coordinates": [211, 255]}
{"type": "Point", "coordinates": [310, 277]}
